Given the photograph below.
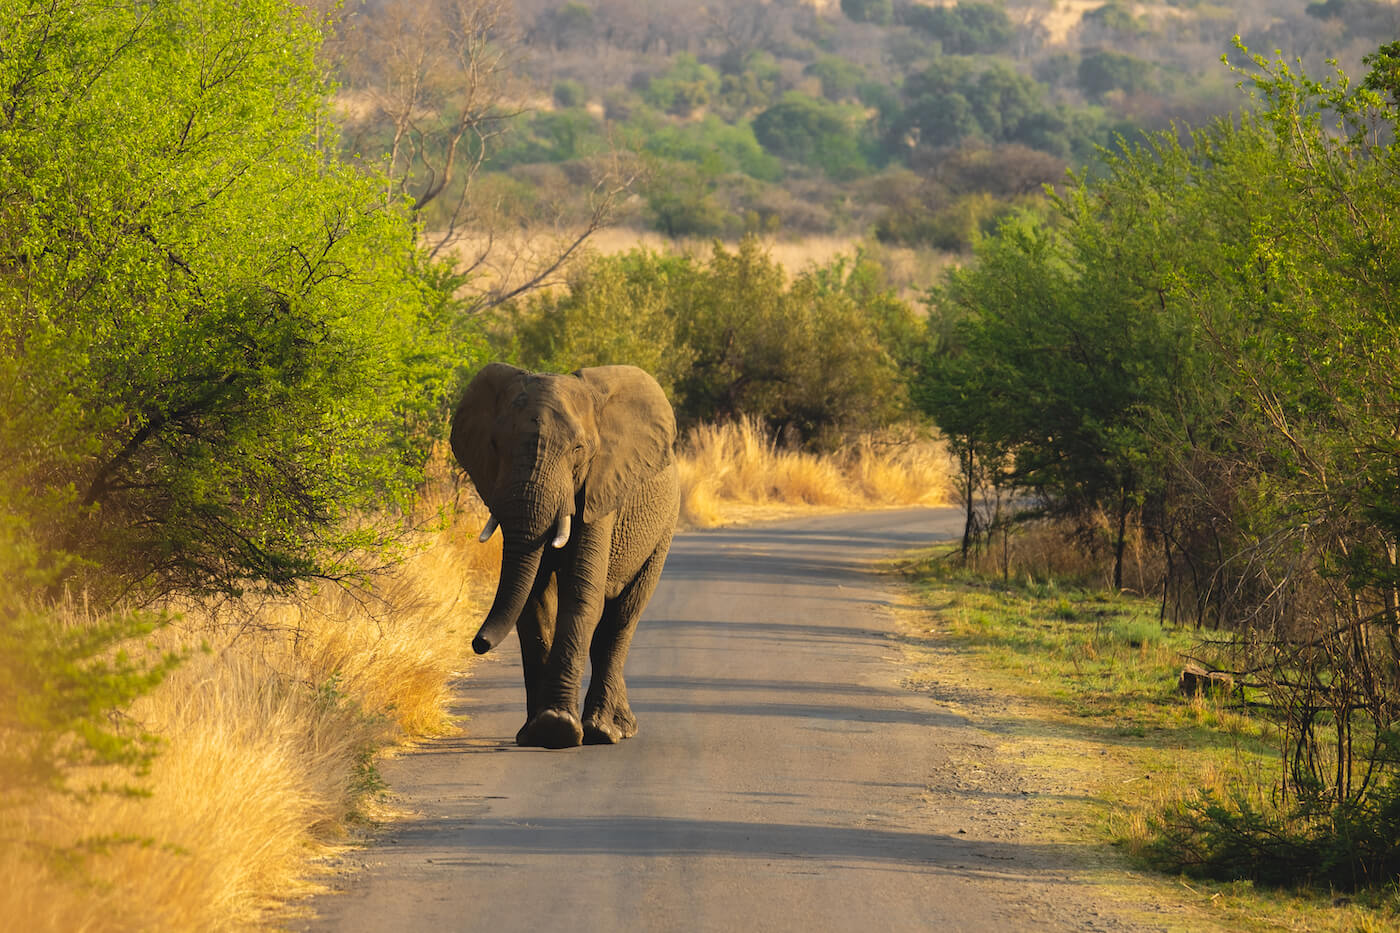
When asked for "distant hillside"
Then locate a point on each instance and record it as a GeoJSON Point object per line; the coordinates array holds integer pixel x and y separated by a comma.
{"type": "Point", "coordinates": [917, 123]}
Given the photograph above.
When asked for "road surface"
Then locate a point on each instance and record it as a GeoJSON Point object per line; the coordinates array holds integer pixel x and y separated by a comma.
{"type": "Point", "coordinates": [782, 779]}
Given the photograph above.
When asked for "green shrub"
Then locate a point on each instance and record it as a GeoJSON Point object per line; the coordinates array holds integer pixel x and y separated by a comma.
{"type": "Point", "coordinates": [217, 346]}
{"type": "Point", "coordinates": [1311, 844]}
{"type": "Point", "coordinates": [819, 355]}
{"type": "Point", "coordinates": [878, 12]}
{"type": "Point", "coordinates": [813, 132]}
{"type": "Point", "coordinates": [570, 93]}
{"type": "Point", "coordinates": [683, 88]}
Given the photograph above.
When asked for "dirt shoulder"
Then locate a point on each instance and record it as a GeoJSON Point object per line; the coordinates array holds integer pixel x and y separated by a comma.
{"type": "Point", "coordinates": [1071, 782]}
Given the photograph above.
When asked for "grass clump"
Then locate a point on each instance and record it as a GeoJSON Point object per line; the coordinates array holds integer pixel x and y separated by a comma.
{"type": "Point", "coordinates": [265, 736]}
{"type": "Point", "coordinates": [737, 467]}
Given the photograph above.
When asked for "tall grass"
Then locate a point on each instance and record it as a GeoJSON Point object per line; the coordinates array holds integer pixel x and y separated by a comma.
{"type": "Point", "coordinates": [734, 469]}
{"type": "Point", "coordinates": [268, 730]}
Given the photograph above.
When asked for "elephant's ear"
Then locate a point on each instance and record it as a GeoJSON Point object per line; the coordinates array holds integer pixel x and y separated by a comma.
{"type": "Point", "coordinates": [636, 431]}
{"type": "Point", "coordinates": [475, 419]}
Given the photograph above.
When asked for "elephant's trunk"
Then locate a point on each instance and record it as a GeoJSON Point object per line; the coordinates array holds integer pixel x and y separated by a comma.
{"type": "Point", "coordinates": [520, 565]}
{"type": "Point", "coordinates": [518, 571]}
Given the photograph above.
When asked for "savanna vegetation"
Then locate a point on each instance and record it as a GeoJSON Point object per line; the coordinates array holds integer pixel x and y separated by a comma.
{"type": "Point", "coordinates": [1196, 349]}
{"type": "Point", "coordinates": [250, 251]}
{"type": "Point", "coordinates": [917, 123]}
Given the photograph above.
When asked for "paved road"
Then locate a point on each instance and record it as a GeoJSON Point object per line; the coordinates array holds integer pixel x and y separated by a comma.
{"type": "Point", "coordinates": [781, 778]}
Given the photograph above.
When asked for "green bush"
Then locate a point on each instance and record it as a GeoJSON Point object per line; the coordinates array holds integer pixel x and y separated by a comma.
{"type": "Point", "coordinates": [218, 345]}
{"type": "Point", "coordinates": [1102, 71]}
{"type": "Point", "coordinates": [717, 147]}
{"type": "Point", "coordinates": [965, 28]}
{"type": "Point", "coordinates": [813, 132]}
{"type": "Point", "coordinates": [570, 93]}
{"type": "Point", "coordinates": [878, 12]}
{"type": "Point", "coordinates": [1314, 844]}
{"type": "Point", "coordinates": [820, 355]}
{"type": "Point", "coordinates": [683, 88]}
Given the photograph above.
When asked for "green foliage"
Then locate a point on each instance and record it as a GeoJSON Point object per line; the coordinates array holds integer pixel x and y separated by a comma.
{"type": "Point", "coordinates": [1116, 17]}
{"type": "Point", "coordinates": [814, 132]}
{"type": "Point", "coordinates": [751, 86]}
{"type": "Point", "coordinates": [732, 336]}
{"type": "Point", "coordinates": [571, 24]}
{"type": "Point", "coordinates": [1207, 336]}
{"type": "Point", "coordinates": [570, 94]}
{"type": "Point", "coordinates": [1103, 70]}
{"type": "Point", "coordinates": [216, 346]}
{"type": "Point", "coordinates": [60, 680]}
{"type": "Point", "coordinates": [1342, 847]}
{"type": "Point", "coordinates": [680, 202]}
{"type": "Point", "coordinates": [839, 77]}
{"type": "Point", "coordinates": [615, 310]}
{"type": "Point", "coordinates": [713, 145]}
{"type": "Point", "coordinates": [965, 28]}
{"type": "Point", "coordinates": [552, 136]}
{"type": "Point", "coordinates": [683, 88]}
{"type": "Point", "coordinates": [955, 99]}
{"type": "Point", "coordinates": [1366, 18]}
{"type": "Point", "coordinates": [878, 12]}
{"type": "Point", "coordinates": [954, 226]}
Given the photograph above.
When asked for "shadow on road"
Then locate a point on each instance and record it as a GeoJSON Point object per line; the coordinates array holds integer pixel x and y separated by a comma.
{"type": "Point", "coordinates": [495, 841]}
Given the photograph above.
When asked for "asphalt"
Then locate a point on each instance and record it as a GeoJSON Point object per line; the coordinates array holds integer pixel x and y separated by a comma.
{"type": "Point", "coordinates": [782, 777]}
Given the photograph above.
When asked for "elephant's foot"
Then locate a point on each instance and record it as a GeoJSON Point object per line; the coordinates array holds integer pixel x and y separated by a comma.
{"type": "Point", "coordinates": [600, 728]}
{"type": "Point", "coordinates": [551, 728]}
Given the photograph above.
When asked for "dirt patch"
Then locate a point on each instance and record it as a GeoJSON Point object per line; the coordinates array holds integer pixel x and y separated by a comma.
{"type": "Point", "coordinates": [1031, 777]}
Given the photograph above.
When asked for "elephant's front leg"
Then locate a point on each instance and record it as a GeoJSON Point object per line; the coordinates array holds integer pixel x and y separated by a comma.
{"type": "Point", "coordinates": [536, 630]}
{"type": "Point", "coordinates": [581, 582]}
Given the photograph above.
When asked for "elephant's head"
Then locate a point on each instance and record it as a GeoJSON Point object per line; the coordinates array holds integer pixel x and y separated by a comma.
{"type": "Point", "coordinates": [545, 450]}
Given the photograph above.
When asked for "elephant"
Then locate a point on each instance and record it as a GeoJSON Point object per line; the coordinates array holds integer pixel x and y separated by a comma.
{"type": "Point", "coordinates": [579, 474]}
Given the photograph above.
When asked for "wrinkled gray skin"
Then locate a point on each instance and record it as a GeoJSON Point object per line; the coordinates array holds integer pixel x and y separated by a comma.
{"type": "Point", "coordinates": [579, 472]}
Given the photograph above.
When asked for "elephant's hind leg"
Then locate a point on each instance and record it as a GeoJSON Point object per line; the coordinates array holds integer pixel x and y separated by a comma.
{"type": "Point", "coordinates": [607, 716]}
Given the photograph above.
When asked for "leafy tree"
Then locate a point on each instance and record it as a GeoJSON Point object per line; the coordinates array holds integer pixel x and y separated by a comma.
{"type": "Point", "coordinates": [965, 28]}
{"type": "Point", "coordinates": [717, 147]}
{"type": "Point", "coordinates": [751, 86]}
{"type": "Point", "coordinates": [806, 354]}
{"type": "Point", "coordinates": [680, 201]}
{"type": "Point", "coordinates": [59, 683]}
{"type": "Point", "coordinates": [878, 12]}
{"type": "Point", "coordinates": [1115, 17]}
{"type": "Point", "coordinates": [820, 355]}
{"type": "Point", "coordinates": [217, 346]}
{"type": "Point", "coordinates": [839, 76]}
{"type": "Point", "coordinates": [1103, 70]}
{"type": "Point", "coordinates": [570, 93]}
{"type": "Point", "coordinates": [954, 99]}
{"type": "Point", "coordinates": [814, 132]}
{"type": "Point", "coordinates": [571, 24]}
{"type": "Point", "coordinates": [684, 87]}
{"type": "Point", "coordinates": [1208, 335]}
{"type": "Point", "coordinates": [615, 310]}
{"type": "Point", "coordinates": [1359, 17]}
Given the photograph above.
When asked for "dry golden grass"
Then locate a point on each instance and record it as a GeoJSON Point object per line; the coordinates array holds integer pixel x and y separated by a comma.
{"type": "Point", "coordinates": [737, 470]}
{"type": "Point", "coordinates": [1046, 550]}
{"type": "Point", "coordinates": [910, 270]}
{"type": "Point", "coordinates": [269, 728]}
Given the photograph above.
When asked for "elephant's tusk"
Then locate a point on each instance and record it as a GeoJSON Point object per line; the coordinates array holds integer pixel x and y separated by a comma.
{"type": "Point", "coordinates": [489, 530]}
{"type": "Point", "coordinates": [562, 538]}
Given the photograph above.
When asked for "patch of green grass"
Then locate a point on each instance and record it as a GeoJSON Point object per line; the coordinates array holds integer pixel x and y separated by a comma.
{"type": "Point", "coordinates": [1102, 657]}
